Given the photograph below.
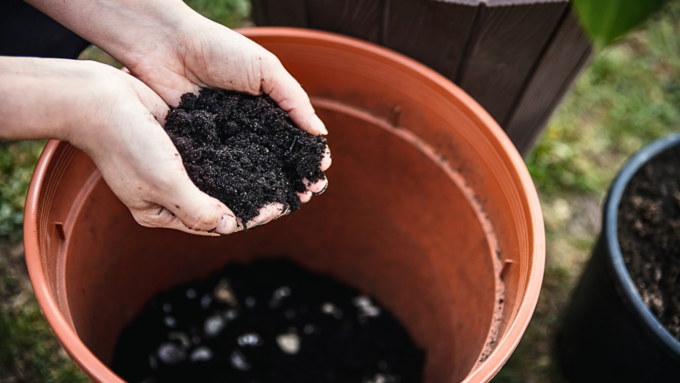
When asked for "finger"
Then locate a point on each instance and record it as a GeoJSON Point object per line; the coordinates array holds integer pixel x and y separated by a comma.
{"type": "Point", "coordinates": [290, 96]}
{"type": "Point", "coordinates": [161, 217]}
{"type": "Point", "coordinates": [267, 214]}
{"type": "Point", "coordinates": [198, 211]}
{"type": "Point", "coordinates": [305, 197]}
{"type": "Point", "coordinates": [317, 187]}
{"type": "Point", "coordinates": [125, 70]}
{"type": "Point", "coordinates": [326, 160]}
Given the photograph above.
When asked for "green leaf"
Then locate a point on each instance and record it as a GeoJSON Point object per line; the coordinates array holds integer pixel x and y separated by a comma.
{"type": "Point", "coordinates": [606, 20]}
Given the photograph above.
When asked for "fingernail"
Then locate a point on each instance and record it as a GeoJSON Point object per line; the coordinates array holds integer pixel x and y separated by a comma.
{"type": "Point", "coordinates": [323, 190]}
{"type": "Point", "coordinates": [319, 125]}
{"type": "Point", "coordinates": [227, 225]}
{"type": "Point", "coordinates": [285, 211]}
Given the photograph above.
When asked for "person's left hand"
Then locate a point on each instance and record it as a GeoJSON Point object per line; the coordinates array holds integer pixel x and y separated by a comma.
{"type": "Point", "coordinates": [210, 55]}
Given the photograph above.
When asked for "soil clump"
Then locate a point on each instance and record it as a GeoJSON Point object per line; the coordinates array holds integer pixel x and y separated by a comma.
{"type": "Point", "coordinates": [269, 322]}
{"type": "Point", "coordinates": [244, 150]}
{"type": "Point", "coordinates": [649, 236]}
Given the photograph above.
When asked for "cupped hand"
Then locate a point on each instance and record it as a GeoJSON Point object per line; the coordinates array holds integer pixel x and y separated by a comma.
{"type": "Point", "coordinates": [137, 159]}
{"type": "Point", "coordinates": [206, 54]}
{"type": "Point", "coordinates": [144, 169]}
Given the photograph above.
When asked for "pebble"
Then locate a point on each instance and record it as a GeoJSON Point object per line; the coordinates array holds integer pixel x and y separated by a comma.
{"type": "Point", "coordinates": [170, 321]}
{"type": "Point", "coordinates": [231, 314]}
{"type": "Point", "coordinates": [223, 292]}
{"type": "Point", "coordinates": [282, 292]}
{"type": "Point", "coordinates": [249, 339]}
{"type": "Point", "coordinates": [205, 301]}
{"type": "Point", "coordinates": [213, 325]}
{"type": "Point", "coordinates": [169, 353]}
{"type": "Point", "coordinates": [278, 295]}
{"type": "Point", "coordinates": [378, 378]}
{"type": "Point", "coordinates": [251, 302]}
{"type": "Point", "coordinates": [331, 309]}
{"type": "Point", "coordinates": [201, 354]}
{"type": "Point", "coordinates": [239, 361]}
{"type": "Point", "coordinates": [181, 337]}
{"type": "Point", "coordinates": [191, 293]}
{"type": "Point", "coordinates": [289, 343]}
{"type": "Point", "coordinates": [383, 378]}
{"type": "Point", "coordinates": [366, 307]}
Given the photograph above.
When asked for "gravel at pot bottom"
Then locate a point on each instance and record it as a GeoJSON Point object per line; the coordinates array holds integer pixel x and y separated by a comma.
{"type": "Point", "coordinates": [269, 321]}
{"type": "Point", "coordinates": [244, 150]}
{"type": "Point", "coordinates": [649, 235]}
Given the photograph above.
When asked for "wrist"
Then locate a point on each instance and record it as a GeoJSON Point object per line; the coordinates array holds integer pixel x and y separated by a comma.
{"type": "Point", "coordinates": [160, 32]}
{"type": "Point", "coordinates": [42, 98]}
{"type": "Point", "coordinates": [128, 30]}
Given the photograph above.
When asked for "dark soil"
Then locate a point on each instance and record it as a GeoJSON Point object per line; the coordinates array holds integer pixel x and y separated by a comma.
{"type": "Point", "coordinates": [266, 322]}
{"type": "Point", "coordinates": [244, 150]}
{"type": "Point", "coordinates": [649, 235]}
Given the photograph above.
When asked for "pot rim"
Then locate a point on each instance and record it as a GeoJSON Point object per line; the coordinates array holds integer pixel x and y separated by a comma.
{"type": "Point", "coordinates": [622, 279]}
{"type": "Point", "coordinates": [483, 372]}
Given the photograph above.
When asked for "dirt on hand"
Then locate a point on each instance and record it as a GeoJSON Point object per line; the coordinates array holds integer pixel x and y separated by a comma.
{"type": "Point", "coordinates": [244, 150]}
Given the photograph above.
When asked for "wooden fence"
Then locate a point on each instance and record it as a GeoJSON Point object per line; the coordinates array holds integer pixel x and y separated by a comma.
{"type": "Point", "coordinates": [517, 61]}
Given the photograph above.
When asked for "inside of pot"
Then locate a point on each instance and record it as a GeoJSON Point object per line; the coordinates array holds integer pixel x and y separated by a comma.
{"type": "Point", "coordinates": [392, 224]}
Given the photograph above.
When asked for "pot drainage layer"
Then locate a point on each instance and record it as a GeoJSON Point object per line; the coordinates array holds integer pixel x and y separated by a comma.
{"type": "Point", "coordinates": [267, 321]}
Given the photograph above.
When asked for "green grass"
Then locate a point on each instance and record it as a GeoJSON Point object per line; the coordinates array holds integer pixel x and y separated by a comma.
{"type": "Point", "coordinates": [17, 161]}
{"type": "Point", "coordinates": [232, 13]}
{"type": "Point", "coordinates": [629, 96]}
{"type": "Point", "coordinates": [28, 350]}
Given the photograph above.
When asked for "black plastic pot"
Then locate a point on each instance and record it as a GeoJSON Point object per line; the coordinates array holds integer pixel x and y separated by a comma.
{"type": "Point", "coordinates": [608, 334]}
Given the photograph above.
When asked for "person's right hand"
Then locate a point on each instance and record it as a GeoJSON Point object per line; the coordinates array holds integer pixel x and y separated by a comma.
{"type": "Point", "coordinates": [113, 117]}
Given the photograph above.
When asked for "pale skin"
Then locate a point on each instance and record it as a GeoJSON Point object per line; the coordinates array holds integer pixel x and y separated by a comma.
{"type": "Point", "coordinates": [116, 116]}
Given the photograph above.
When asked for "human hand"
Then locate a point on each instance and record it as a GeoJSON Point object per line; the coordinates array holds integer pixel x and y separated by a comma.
{"type": "Point", "coordinates": [113, 117]}
{"type": "Point", "coordinates": [211, 55]}
{"type": "Point", "coordinates": [174, 50]}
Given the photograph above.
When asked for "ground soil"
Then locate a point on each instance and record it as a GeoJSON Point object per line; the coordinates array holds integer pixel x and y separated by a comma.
{"type": "Point", "coordinates": [649, 235]}
{"type": "Point", "coordinates": [244, 150]}
{"type": "Point", "coordinates": [240, 314]}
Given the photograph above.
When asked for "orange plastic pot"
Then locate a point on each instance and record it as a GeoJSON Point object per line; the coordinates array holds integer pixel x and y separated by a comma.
{"type": "Point", "coordinates": [430, 209]}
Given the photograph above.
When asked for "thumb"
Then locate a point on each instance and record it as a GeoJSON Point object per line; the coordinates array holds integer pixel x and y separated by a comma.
{"type": "Point", "coordinates": [287, 92]}
{"type": "Point", "coordinates": [188, 209]}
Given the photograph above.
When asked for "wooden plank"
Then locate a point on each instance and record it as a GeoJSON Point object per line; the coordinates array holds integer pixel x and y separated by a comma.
{"type": "Point", "coordinates": [258, 11]}
{"type": "Point", "coordinates": [511, 40]}
{"type": "Point", "coordinates": [567, 55]}
{"type": "Point", "coordinates": [284, 13]}
{"type": "Point", "coordinates": [434, 33]}
{"type": "Point", "coordinates": [356, 18]}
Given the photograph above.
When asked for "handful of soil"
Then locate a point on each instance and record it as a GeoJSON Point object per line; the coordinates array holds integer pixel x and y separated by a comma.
{"type": "Point", "coordinates": [649, 236]}
{"type": "Point", "coordinates": [266, 322]}
{"type": "Point", "coordinates": [244, 150]}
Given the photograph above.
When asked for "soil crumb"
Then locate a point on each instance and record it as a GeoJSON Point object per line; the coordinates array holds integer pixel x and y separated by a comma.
{"type": "Point", "coordinates": [270, 321]}
{"type": "Point", "coordinates": [649, 236]}
{"type": "Point", "coordinates": [244, 150]}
